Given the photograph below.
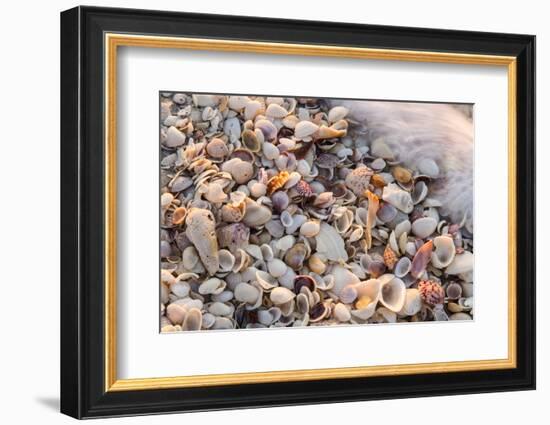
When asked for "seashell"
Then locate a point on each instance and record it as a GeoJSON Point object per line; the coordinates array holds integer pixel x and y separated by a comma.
{"type": "Point", "coordinates": [376, 268]}
{"type": "Point", "coordinates": [316, 264]}
{"type": "Point", "coordinates": [304, 281]}
{"type": "Point", "coordinates": [180, 288]}
{"type": "Point", "coordinates": [206, 100]}
{"type": "Point", "coordinates": [310, 228]}
{"type": "Point", "coordinates": [223, 323]}
{"type": "Point", "coordinates": [174, 137]}
{"type": "Point", "coordinates": [421, 259]}
{"type": "Point", "coordinates": [256, 214]}
{"type": "Point", "coordinates": [428, 167]}
{"type": "Point", "coordinates": [257, 189]}
{"type": "Point", "coordinates": [343, 223]}
{"type": "Point", "coordinates": [325, 132]}
{"type": "Point", "coordinates": [255, 251]}
{"type": "Point", "coordinates": [324, 200]}
{"type": "Point", "coordinates": [303, 189]}
{"type": "Point", "coordinates": [431, 292]}
{"type": "Point", "coordinates": [453, 290]}
{"type": "Point", "coordinates": [286, 219]}
{"type": "Point", "coordinates": [330, 244]}
{"type": "Point", "coordinates": [363, 302]}
{"type": "Point", "coordinates": [424, 227]}
{"type": "Point", "coordinates": [295, 256]}
{"type": "Point", "coordinates": [233, 213]}
{"type": "Point", "coordinates": [208, 320]}
{"type": "Point", "coordinates": [223, 296]}
{"type": "Point", "coordinates": [233, 236]}
{"type": "Point", "coordinates": [341, 313]}
{"type": "Point", "coordinates": [293, 180]}
{"type": "Point", "coordinates": [180, 183]}
{"type": "Point", "coordinates": [348, 294]}
{"type": "Point", "coordinates": [358, 180]}
{"type": "Point", "coordinates": [215, 193]}
{"type": "Point", "coordinates": [402, 267]}
{"type": "Point", "coordinates": [392, 293]}
{"type": "Point", "coordinates": [399, 198]}
{"type": "Point", "coordinates": [221, 309]}
{"type": "Point", "coordinates": [305, 129]}
{"type": "Point", "coordinates": [265, 280]}
{"type": "Point", "coordinates": [467, 289]}
{"type": "Point", "coordinates": [342, 278]}
{"type": "Point", "coordinates": [364, 308]}
{"type": "Point", "coordinates": [227, 260]}
{"type": "Point", "coordinates": [378, 181]}
{"type": "Point", "coordinates": [302, 303]}
{"type": "Point", "coordinates": [402, 227]}
{"type": "Point", "coordinates": [242, 154]}
{"type": "Point", "coordinates": [413, 302]}
{"type": "Point", "coordinates": [460, 316]}
{"type": "Point", "coordinates": [201, 232]}
{"type": "Point", "coordinates": [270, 151]}
{"type": "Point", "coordinates": [337, 113]}
{"type": "Point", "coordinates": [386, 213]}
{"type": "Point", "coordinates": [390, 257]}
{"type": "Point", "coordinates": [212, 286]}
{"type": "Point", "coordinates": [401, 174]}
{"type": "Point", "coordinates": [378, 164]}
{"type": "Point", "coordinates": [247, 293]}
{"type": "Point", "coordinates": [238, 103]}
{"type": "Point", "coordinates": [232, 128]}
{"type": "Point", "coordinates": [267, 128]}
{"type": "Point", "coordinates": [380, 149]}
{"type": "Point", "coordinates": [250, 141]}
{"type": "Point", "coordinates": [462, 263]}
{"type": "Point", "coordinates": [280, 200]}
{"type": "Point", "coordinates": [370, 288]}
{"type": "Point", "coordinates": [178, 216]}
{"type": "Point", "coordinates": [193, 320]}
{"type": "Point", "coordinates": [277, 182]}
{"type": "Point", "coordinates": [281, 295]}
{"type": "Point", "coordinates": [276, 111]}
{"type": "Point", "coordinates": [318, 312]}
{"type": "Point", "coordinates": [444, 252]}
{"type": "Point", "coordinates": [420, 192]}
{"type": "Point", "coordinates": [176, 313]}
{"type": "Point", "coordinates": [217, 148]}
{"type": "Point", "coordinates": [276, 268]}
{"type": "Point", "coordinates": [252, 108]}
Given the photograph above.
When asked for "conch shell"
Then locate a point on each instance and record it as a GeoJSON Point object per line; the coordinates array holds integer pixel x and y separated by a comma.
{"type": "Point", "coordinates": [201, 231]}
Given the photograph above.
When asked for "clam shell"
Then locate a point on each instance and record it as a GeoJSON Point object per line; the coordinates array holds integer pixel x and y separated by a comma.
{"type": "Point", "coordinates": [341, 313]}
{"type": "Point", "coordinates": [227, 260]}
{"type": "Point", "coordinates": [444, 252]}
{"type": "Point", "coordinates": [305, 129]}
{"type": "Point", "coordinates": [174, 137]}
{"type": "Point", "coordinates": [402, 267]}
{"type": "Point", "coordinates": [176, 313]}
{"type": "Point", "coordinates": [247, 293]}
{"type": "Point", "coordinates": [337, 113]}
{"type": "Point", "coordinates": [276, 268]}
{"type": "Point", "coordinates": [392, 293]}
{"type": "Point", "coordinates": [330, 244]}
{"type": "Point", "coordinates": [462, 263]}
{"type": "Point", "coordinates": [212, 286]}
{"type": "Point", "coordinates": [256, 214]}
{"type": "Point", "coordinates": [193, 320]}
{"type": "Point", "coordinates": [399, 198]}
{"type": "Point", "coordinates": [342, 278]}
{"type": "Point", "coordinates": [276, 111]}
{"type": "Point", "coordinates": [281, 295]}
{"type": "Point", "coordinates": [424, 227]}
{"type": "Point", "coordinates": [217, 148]}
{"type": "Point", "coordinates": [412, 304]}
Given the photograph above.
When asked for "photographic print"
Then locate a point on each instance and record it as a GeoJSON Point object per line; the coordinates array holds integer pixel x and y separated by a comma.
{"type": "Point", "coordinates": [281, 211]}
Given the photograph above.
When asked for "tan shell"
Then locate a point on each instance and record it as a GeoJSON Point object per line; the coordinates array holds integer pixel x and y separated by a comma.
{"type": "Point", "coordinates": [217, 148]}
{"type": "Point", "coordinates": [390, 257]}
{"type": "Point", "coordinates": [358, 180]}
{"type": "Point", "coordinates": [201, 231]}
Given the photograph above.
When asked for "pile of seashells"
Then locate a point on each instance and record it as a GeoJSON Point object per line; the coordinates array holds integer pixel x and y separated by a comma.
{"type": "Point", "coordinates": [280, 212]}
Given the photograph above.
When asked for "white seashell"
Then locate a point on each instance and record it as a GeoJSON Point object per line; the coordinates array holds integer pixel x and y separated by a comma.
{"type": "Point", "coordinates": [392, 292]}
{"type": "Point", "coordinates": [310, 228]}
{"type": "Point", "coordinates": [255, 251]}
{"type": "Point", "coordinates": [341, 313]}
{"type": "Point", "coordinates": [462, 263]}
{"type": "Point", "coordinates": [232, 128]}
{"type": "Point", "coordinates": [174, 137]}
{"type": "Point", "coordinates": [399, 198]}
{"type": "Point", "coordinates": [176, 313]}
{"type": "Point", "coordinates": [251, 109]}
{"type": "Point", "coordinates": [268, 317]}
{"type": "Point", "coordinates": [342, 278]}
{"type": "Point", "coordinates": [285, 243]}
{"type": "Point", "coordinates": [266, 280]}
{"type": "Point", "coordinates": [193, 320]}
{"type": "Point", "coordinates": [402, 267]}
{"type": "Point", "coordinates": [460, 316]}
{"type": "Point", "coordinates": [293, 179]}
{"type": "Point", "coordinates": [215, 193]}
{"type": "Point", "coordinates": [247, 293]}
{"type": "Point", "coordinates": [206, 99]}
{"type": "Point", "coordinates": [237, 103]}
{"type": "Point", "coordinates": [180, 289]}
{"type": "Point", "coordinates": [267, 252]}
{"type": "Point", "coordinates": [370, 288]}
{"type": "Point", "coordinates": [256, 214]}
{"type": "Point", "coordinates": [221, 309]}
{"type": "Point", "coordinates": [387, 315]}
{"type": "Point", "coordinates": [337, 113]}
{"type": "Point", "coordinates": [280, 296]}
{"type": "Point", "coordinates": [267, 128]}
{"type": "Point", "coordinates": [297, 221]}
{"type": "Point", "coordinates": [286, 219]}
{"type": "Point", "coordinates": [212, 286]}
{"type": "Point", "coordinates": [428, 167]}
{"type": "Point", "coordinates": [403, 227]}
{"type": "Point", "coordinates": [330, 244]}
{"type": "Point", "coordinates": [467, 289]}
{"type": "Point", "coordinates": [348, 294]}
{"type": "Point", "coordinates": [420, 192]}
{"type": "Point", "coordinates": [227, 260]}
{"type": "Point", "coordinates": [270, 151]}
{"type": "Point", "coordinates": [303, 168]}
{"type": "Point", "coordinates": [287, 279]}
{"type": "Point", "coordinates": [366, 312]}
{"type": "Point", "coordinates": [413, 302]}
{"type": "Point", "coordinates": [444, 252]}
{"type": "Point", "coordinates": [201, 232]}
{"type": "Point", "coordinates": [424, 227]}
{"type": "Point", "coordinates": [277, 268]}
{"type": "Point", "coordinates": [223, 297]}
{"type": "Point", "coordinates": [305, 129]}
{"type": "Point", "coordinates": [290, 121]}
{"type": "Point", "coordinates": [208, 320]}
{"type": "Point", "coordinates": [275, 110]}
{"type": "Point", "coordinates": [223, 323]}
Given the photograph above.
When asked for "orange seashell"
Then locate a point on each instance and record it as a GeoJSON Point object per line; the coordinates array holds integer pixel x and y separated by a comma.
{"type": "Point", "coordinates": [179, 215]}
{"type": "Point", "coordinates": [378, 181]}
{"type": "Point", "coordinates": [390, 257]}
{"type": "Point", "coordinates": [277, 182]}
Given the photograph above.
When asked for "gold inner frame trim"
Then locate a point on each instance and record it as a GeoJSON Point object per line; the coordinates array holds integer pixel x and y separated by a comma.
{"type": "Point", "coordinates": [113, 41]}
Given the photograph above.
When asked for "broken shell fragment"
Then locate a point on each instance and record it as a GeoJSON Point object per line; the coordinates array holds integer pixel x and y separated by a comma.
{"type": "Point", "coordinates": [201, 232]}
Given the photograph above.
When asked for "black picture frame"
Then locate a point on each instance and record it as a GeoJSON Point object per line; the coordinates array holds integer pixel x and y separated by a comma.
{"type": "Point", "coordinates": [83, 392]}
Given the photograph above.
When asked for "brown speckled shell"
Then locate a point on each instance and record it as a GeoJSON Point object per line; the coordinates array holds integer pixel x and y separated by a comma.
{"type": "Point", "coordinates": [390, 257]}
{"type": "Point", "coordinates": [431, 292]}
{"type": "Point", "coordinates": [277, 182]}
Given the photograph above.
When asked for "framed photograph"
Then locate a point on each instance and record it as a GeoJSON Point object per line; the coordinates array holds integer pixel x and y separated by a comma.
{"type": "Point", "coordinates": [261, 212]}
